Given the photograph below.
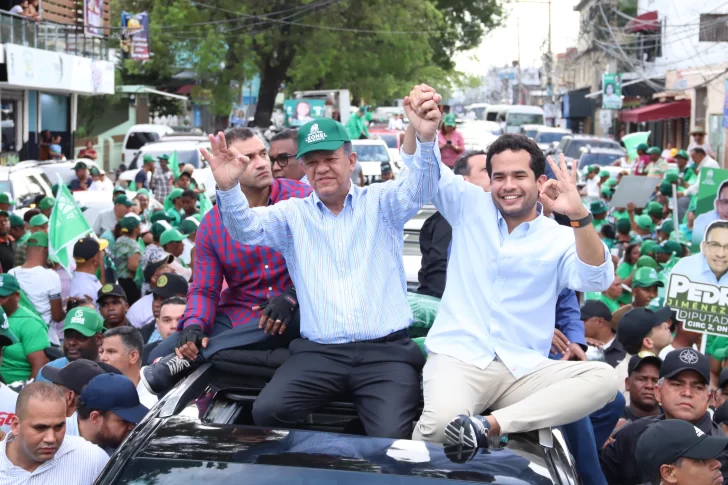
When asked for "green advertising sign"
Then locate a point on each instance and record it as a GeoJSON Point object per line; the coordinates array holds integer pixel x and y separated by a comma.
{"type": "Point", "coordinates": [301, 111]}
{"type": "Point", "coordinates": [611, 91]}
{"type": "Point", "coordinates": [710, 180]}
{"type": "Point", "coordinates": [702, 306]}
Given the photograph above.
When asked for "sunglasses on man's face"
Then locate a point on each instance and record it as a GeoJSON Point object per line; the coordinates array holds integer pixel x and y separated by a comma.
{"type": "Point", "coordinates": [281, 159]}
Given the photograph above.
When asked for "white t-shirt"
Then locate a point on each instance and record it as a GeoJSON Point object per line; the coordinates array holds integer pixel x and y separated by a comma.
{"type": "Point", "coordinates": [72, 425]}
{"type": "Point", "coordinates": [140, 313]}
{"type": "Point", "coordinates": [105, 185]}
{"type": "Point", "coordinates": [592, 187]}
{"type": "Point", "coordinates": [17, 10]}
{"type": "Point", "coordinates": [84, 284]}
{"type": "Point", "coordinates": [145, 397]}
{"type": "Point", "coordinates": [8, 398]}
{"type": "Point", "coordinates": [41, 285]}
{"type": "Point", "coordinates": [670, 348]}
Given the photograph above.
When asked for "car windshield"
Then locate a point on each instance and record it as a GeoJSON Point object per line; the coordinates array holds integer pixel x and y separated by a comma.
{"type": "Point", "coordinates": [390, 140]}
{"type": "Point", "coordinates": [601, 159]}
{"type": "Point", "coordinates": [518, 119]}
{"type": "Point", "coordinates": [574, 149]}
{"type": "Point", "coordinates": [138, 139]}
{"type": "Point", "coordinates": [478, 113]}
{"type": "Point", "coordinates": [145, 471]}
{"type": "Point", "coordinates": [371, 153]}
{"type": "Point", "coordinates": [530, 133]}
{"type": "Point", "coordinates": [549, 137]}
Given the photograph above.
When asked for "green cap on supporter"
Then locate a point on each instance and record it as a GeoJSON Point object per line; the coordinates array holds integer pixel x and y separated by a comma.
{"type": "Point", "coordinates": [647, 247]}
{"type": "Point", "coordinates": [38, 240]}
{"type": "Point", "coordinates": [188, 226]}
{"type": "Point", "coordinates": [646, 277]}
{"type": "Point", "coordinates": [128, 223]}
{"type": "Point", "coordinates": [160, 216]}
{"type": "Point", "coordinates": [667, 226]}
{"type": "Point", "coordinates": [8, 285]}
{"type": "Point", "coordinates": [598, 207]}
{"type": "Point", "coordinates": [655, 208]}
{"type": "Point", "coordinates": [123, 199]}
{"type": "Point", "coordinates": [682, 154]}
{"type": "Point", "coordinates": [672, 247]}
{"type": "Point", "coordinates": [646, 262]}
{"type": "Point", "coordinates": [449, 120]}
{"type": "Point", "coordinates": [85, 321]}
{"type": "Point", "coordinates": [143, 192]}
{"type": "Point", "coordinates": [624, 226]}
{"type": "Point", "coordinates": [80, 166]}
{"type": "Point", "coordinates": [644, 222]}
{"type": "Point", "coordinates": [164, 157]}
{"type": "Point", "coordinates": [604, 173]}
{"type": "Point", "coordinates": [611, 182]}
{"type": "Point", "coordinates": [38, 220]}
{"type": "Point", "coordinates": [148, 159]}
{"type": "Point", "coordinates": [606, 190]}
{"type": "Point", "coordinates": [176, 194]}
{"type": "Point", "coordinates": [95, 171]}
{"type": "Point", "coordinates": [642, 147]}
{"type": "Point", "coordinates": [7, 337]}
{"type": "Point", "coordinates": [666, 188]}
{"type": "Point", "coordinates": [322, 134]}
{"type": "Point", "coordinates": [47, 203]}
{"type": "Point", "coordinates": [654, 151]}
{"type": "Point", "coordinates": [170, 235]}
{"type": "Point", "coordinates": [5, 198]}
{"type": "Point", "coordinates": [16, 221]}
{"type": "Point", "coordinates": [671, 177]}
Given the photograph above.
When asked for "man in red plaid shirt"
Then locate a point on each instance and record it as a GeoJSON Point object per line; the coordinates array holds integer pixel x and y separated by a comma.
{"type": "Point", "coordinates": [255, 275]}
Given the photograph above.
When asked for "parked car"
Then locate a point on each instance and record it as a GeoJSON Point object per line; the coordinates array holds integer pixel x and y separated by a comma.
{"type": "Point", "coordinates": [140, 135]}
{"type": "Point", "coordinates": [546, 136]}
{"type": "Point", "coordinates": [64, 168]}
{"type": "Point", "coordinates": [24, 182]}
{"type": "Point", "coordinates": [602, 157]}
{"type": "Point", "coordinates": [188, 151]}
{"type": "Point", "coordinates": [572, 146]}
{"type": "Point", "coordinates": [371, 154]}
{"type": "Point", "coordinates": [202, 431]}
{"type": "Point", "coordinates": [531, 130]}
{"type": "Point", "coordinates": [392, 139]}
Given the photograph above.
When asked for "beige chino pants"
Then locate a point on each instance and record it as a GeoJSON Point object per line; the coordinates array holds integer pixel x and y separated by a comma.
{"type": "Point", "coordinates": [553, 394]}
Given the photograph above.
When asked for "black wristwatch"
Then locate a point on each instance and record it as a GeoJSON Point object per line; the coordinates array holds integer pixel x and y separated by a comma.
{"type": "Point", "coordinates": [576, 224]}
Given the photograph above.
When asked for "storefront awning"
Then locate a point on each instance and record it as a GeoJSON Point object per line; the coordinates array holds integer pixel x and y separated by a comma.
{"type": "Point", "coordinates": [647, 22]}
{"type": "Point", "coordinates": [656, 112]}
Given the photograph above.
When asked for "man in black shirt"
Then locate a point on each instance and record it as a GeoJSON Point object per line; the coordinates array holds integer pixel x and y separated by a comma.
{"type": "Point", "coordinates": [7, 244]}
{"type": "Point", "coordinates": [436, 233]}
{"type": "Point", "coordinates": [683, 391]}
{"type": "Point", "coordinates": [643, 374]}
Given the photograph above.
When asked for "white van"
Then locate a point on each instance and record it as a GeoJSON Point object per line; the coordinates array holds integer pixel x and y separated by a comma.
{"type": "Point", "coordinates": [513, 117]}
{"type": "Point", "coordinates": [492, 111]}
{"type": "Point", "coordinates": [140, 135]}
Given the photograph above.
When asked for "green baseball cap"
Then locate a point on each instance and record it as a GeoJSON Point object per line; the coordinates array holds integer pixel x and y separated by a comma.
{"type": "Point", "coordinates": [85, 321]}
{"type": "Point", "coordinates": [47, 203]}
{"type": "Point", "coordinates": [604, 173]}
{"type": "Point", "coordinates": [682, 154]}
{"type": "Point", "coordinates": [38, 220]}
{"type": "Point", "coordinates": [667, 226]}
{"type": "Point", "coordinates": [643, 147]}
{"type": "Point", "coordinates": [176, 194]}
{"type": "Point", "coordinates": [164, 157]}
{"type": "Point", "coordinates": [611, 182]}
{"type": "Point", "coordinates": [80, 166]}
{"type": "Point", "coordinates": [672, 247]}
{"type": "Point", "coordinates": [606, 190]}
{"type": "Point", "coordinates": [598, 207]}
{"type": "Point", "coordinates": [5, 213]}
{"type": "Point", "coordinates": [8, 285]}
{"type": "Point", "coordinates": [16, 221]}
{"type": "Point", "coordinates": [655, 208]}
{"type": "Point", "coordinates": [647, 247]}
{"type": "Point", "coordinates": [170, 235]}
{"type": "Point", "coordinates": [123, 199]}
{"type": "Point", "coordinates": [646, 277]}
{"type": "Point", "coordinates": [160, 216]}
{"type": "Point", "coordinates": [671, 177]}
{"type": "Point", "coordinates": [7, 337]}
{"type": "Point", "coordinates": [644, 222]}
{"type": "Point", "coordinates": [128, 223]}
{"type": "Point", "coordinates": [322, 134]}
{"type": "Point", "coordinates": [654, 151]}
{"type": "Point", "coordinates": [119, 190]}
{"type": "Point", "coordinates": [158, 229]}
{"type": "Point", "coordinates": [38, 240]}
{"type": "Point", "coordinates": [646, 262]}
{"type": "Point", "coordinates": [148, 159]}
{"type": "Point", "coordinates": [5, 198]}
{"type": "Point", "coordinates": [188, 226]}
{"type": "Point", "coordinates": [95, 171]}
{"type": "Point", "coordinates": [593, 169]}
{"type": "Point", "coordinates": [143, 191]}
{"type": "Point", "coordinates": [666, 188]}
{"type": "Point", "coordinates": [449, 120]}
{"type": "Point", "coordinates": [624, 225]}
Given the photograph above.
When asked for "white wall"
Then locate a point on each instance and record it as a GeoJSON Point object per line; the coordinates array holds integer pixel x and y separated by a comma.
{"type": "Point", "coordinates": [681, 26]}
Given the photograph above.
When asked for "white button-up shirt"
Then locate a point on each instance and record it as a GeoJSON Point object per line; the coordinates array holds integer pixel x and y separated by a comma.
{"type": "Point", "coordinates": [77, 462]}
{"type": "Point", "coordinates": [501, 292]}
{"type": "Point", "coordinates": [696, 268]}
{"type": "Point", "coordinates": [85, 284]}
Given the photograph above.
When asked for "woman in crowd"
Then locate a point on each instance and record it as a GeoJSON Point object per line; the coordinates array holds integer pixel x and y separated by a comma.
{"type": "Point", "coordinates": [127, 254]}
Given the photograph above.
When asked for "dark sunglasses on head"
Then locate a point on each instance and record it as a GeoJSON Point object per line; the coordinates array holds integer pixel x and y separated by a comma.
{"type": "Point", "coordinates": [282, 159]}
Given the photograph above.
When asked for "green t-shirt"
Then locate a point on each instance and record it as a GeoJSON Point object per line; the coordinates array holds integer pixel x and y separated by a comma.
{"type": "Point", "coordinates": [611, 304]}
{"type": "Point", "coordinates": [599, 223]}
{"type": "Point", "coordinates": [620, 215]}
{"type": "Point", "coordinates": [624, 270]}
{"type": "Point", "coordinates": [32, 334]}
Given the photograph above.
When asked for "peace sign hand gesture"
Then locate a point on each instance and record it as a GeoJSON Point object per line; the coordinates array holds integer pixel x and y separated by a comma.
{"type": "Point", "coordinates": [227, 164]}
{"type": "Point", "coordinates": [561, 195]}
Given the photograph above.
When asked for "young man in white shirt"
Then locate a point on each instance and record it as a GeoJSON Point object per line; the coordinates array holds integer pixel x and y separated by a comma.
{"type": "Point", "coordinates": [87, 252]}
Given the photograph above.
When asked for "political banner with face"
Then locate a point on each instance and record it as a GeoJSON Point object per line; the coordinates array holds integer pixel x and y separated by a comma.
{"type": "Point", "coordinates": [611, 91]}
{"type": "Point", "coordinates": [698, 286]}
{"type": "Point", "coordinates": [711, 203]}
{"type": "Point", "coordinates": [301, 111]}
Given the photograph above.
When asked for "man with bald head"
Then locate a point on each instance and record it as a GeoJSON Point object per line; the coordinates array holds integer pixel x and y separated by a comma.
{"type": "Point", "coordinates": [37, 444]}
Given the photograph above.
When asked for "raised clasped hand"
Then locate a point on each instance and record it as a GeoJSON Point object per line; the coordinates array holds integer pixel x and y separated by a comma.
{"type": "Point", "coordinates": [422, 111]}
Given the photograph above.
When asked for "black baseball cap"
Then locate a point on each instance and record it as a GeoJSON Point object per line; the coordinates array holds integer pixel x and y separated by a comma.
{"type": "Point", "coordinates": [595, 309]}
{"type": "Point", "coordinates": [169, 285]}
{"type": "Point", "coordinates": [720, 416]}
{"type": "Point", "coordinates": [636, 324]}
{"type": "Point", "coordinates": [685, 359]}
{"type": "Point", "coordinates": [723, 379]}
{"type": "Point", "coordinates": [153, 266]}
{"type": "Point", "coordinates": [642, 358]}
{"type": "Point", "coordinates": [77, 374]}
{"type": "Point", "coordinates": [88, 247]}
{"type": "Point", "coordinates": [665, 441]}
{"type": "Point", "coordinates": [111, 290]}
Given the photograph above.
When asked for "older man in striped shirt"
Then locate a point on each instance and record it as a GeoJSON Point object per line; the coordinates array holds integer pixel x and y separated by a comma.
{"type": "Point", "coordinates": [343, 248]}
{"type": "Point", "coordinates": [37, 451]}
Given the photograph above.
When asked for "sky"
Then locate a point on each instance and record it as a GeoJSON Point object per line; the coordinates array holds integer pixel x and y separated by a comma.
{"type": "Point", "coordinates": [500, 46]}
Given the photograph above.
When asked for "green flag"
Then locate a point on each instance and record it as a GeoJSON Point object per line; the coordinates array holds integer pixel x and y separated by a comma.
{"type": "Point", "coordinates": [66, 226]}
{"type": "Point", "coordinates": [632, 140]}
{"type": "Point", "coordinates": [205, 204]}
{"type": "Point", "coordinates": [173, 161]}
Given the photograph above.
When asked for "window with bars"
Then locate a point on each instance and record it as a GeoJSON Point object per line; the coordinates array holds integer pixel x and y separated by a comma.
{"type": "Point", "coordinates": [713, 27]}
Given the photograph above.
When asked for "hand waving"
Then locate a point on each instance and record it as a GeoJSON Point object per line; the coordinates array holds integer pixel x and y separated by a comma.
{"type": "Point", "coordinates": [422, 111]}
{"type": "Point", "coordinates": [227, 164]}
{"type": "Point", "coordinates": [561, 194]}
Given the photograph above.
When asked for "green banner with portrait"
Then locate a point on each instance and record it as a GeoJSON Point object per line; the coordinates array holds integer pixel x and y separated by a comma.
{"type": "Point", "coordinates": [301, 111]}
{"type": "Point", "coordinates": [612, 91]}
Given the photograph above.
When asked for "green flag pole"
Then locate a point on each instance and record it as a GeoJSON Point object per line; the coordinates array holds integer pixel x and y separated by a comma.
{"type": "Point", "coordinates": [66, 226]}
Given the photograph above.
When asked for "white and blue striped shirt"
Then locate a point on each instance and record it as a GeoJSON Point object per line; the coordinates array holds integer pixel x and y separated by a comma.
{"type": "Point", "coordinates": [77, 462]}
{"type": "Point", "coordinates": [347, 268]}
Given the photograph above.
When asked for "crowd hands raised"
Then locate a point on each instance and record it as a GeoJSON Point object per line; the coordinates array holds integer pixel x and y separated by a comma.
{"type": "Point", "coordinates": [294, 255]}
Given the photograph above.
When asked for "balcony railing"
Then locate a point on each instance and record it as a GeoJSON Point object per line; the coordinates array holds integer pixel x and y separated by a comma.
{"type": "Point", "coordinates": [52, 37]}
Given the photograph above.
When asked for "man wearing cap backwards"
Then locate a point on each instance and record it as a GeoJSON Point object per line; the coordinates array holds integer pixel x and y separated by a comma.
{"type": "Point", "coordinates": [676, 452]}
{"type": "Point", "coordinates": [162, 179]}
{"type": "Point", "coordinates": [89, 257]}
{"type": "Point", "coordinates": [107, 220]}
{"type": "Point", "coordinates": [113, 306]}
{"type": "Point", "coordinates": [82, 181]}
{"type": "Point", "coordinates": [123, 348]}
{"type": "Point", "coordinates": [8, 397]}
{"type": "Point", "coordinates": [142, 177]}
{"type": "Point", "coordinates": [683, 392]}
{"type": "Point", "coordinates": [360, 224]}
{"type": "Point", "coordinates": [82, 337]}
{"type": "Point", "coordinates": [38, 450]}
{"type": "Point", "coordinates": [8, 246]}
{"type": "Point", "coordinates": [598, 330]}
{"type": "Point", "coordinates": [640, 384]}
{"type": "Point", "coordinates": [24, 359]}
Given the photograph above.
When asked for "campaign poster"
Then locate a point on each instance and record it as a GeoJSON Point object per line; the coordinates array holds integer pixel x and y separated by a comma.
{"type": "Point", "coordinates": [611, 91]}
{"type": "Point", "coordinates": [301, 111]}
{"type": "Point", "coordinates": [93, 17]}
{"type": "Point", "coordinates": [711, 179]}
{"type": "Point", "coordinates": [700, 303]}
{"type": "Point", "coordinates": [135, 36]}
